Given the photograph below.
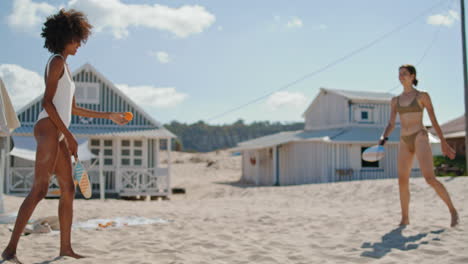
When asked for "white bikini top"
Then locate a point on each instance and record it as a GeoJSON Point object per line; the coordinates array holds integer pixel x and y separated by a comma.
{"type": "Point", "coordinates": [63, 97]}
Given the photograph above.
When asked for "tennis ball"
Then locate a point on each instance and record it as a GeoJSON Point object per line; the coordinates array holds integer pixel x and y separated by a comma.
{"type": "Point", "coordinates": [128, 116]}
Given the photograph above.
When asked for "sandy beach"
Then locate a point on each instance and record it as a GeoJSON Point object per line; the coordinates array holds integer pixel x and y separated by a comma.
{"type": "Point", "coordinates": [219, 220]}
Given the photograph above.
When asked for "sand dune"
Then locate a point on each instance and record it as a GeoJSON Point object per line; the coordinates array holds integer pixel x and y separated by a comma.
{"type": "Point", "coordinates": [220, 221]}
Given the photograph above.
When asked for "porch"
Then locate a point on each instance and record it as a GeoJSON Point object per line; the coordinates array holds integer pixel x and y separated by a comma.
{"type": "Point", "coordinates": [122, 181]}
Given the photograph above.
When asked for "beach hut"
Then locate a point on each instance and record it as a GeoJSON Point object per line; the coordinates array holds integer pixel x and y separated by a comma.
{"type": "Point", "coordinates": [339, 126]}
{"type": "Point", "coordinates": [135, 157]}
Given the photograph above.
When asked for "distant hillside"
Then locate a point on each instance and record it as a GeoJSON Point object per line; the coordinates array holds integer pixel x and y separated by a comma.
{"type": "Point", "coordinates": [202, 137]}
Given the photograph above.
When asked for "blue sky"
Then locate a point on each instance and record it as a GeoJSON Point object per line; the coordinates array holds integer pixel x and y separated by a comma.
{"type": "Point", "coordinates": [193, 60]}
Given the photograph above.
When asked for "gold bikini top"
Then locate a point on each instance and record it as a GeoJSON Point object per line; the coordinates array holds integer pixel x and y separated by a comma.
{"type": "Point", "coordinates": [411, 108]}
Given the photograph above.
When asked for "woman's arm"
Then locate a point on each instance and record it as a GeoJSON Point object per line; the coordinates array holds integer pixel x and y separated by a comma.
{"type": "Point", "coordinates": [427, 103]}
{"type": "Point", "coordinates": [391, 123]}
{"type": "Point", "coordinates": [117, 117]}
{"type": "Point", "coordinates": [56, 69]}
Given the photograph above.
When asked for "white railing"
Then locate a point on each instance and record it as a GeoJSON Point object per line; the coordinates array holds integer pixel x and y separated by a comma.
{"type": "Point", "coordinates": [125, 181]}
{"type": "Point", "coordinates": [140, 181]}
{"type": "Point", "coordinates": [21, 179]}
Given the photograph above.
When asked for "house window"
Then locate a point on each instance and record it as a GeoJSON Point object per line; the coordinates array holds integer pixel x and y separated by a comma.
{"type": "Point", "coordinates": [106, 147]}
{"type": "Point", "coordinates": [132, 153]}
{"type": "Point", "coordinates": [368, 164]}
{"type": "Point", "coordinates": [87, 92]}
{"type": "Point", "coordinates": [364, 115]}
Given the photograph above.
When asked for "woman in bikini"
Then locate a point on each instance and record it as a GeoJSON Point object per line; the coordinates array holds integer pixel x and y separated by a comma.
{"type": "Point", "coordinates": [63, 32]}
{"type": "Point", "coordinates": [414, 140]}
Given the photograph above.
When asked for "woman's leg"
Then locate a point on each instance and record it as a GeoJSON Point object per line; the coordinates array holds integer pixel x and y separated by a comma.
{"type": "Point", "coordinates": [46, 154]}
{"type": "Point", "coordinates": [426, 163]}
{"type": "Point", "coordinates": [405, 163]}
{"type": "Point", "coordinates": [63, 172]}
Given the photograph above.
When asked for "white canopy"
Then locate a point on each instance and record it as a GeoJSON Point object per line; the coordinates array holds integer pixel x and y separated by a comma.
{"type": "Point", "coordinates": [25, 148]}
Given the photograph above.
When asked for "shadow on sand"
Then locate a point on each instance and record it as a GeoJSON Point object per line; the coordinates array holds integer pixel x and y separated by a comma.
{"type": "Point", "coordinates": [395, 240]}
{"type": "Point", "coordinates": [50, 261]}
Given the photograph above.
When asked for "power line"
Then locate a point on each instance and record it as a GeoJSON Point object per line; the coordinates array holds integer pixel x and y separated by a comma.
{"type": "Point", "coordinates": [428, 48]}
{"type": "Point", "coordinates": [331, 64]}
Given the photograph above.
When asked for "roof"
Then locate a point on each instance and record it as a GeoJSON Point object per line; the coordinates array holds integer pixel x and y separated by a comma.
{"type": "Point", "coordinates": [123, 131]}
{"type": "Point", "coordinates": [459, 134]}
{"type": "Point", "coordinates": [452, 126]}
{"type": "Point", "coordinates": [89, 67]}
{"type": "Point", "coordinates": [345, 135]}
{"type": "Point", "coordinates": [361, 95]}
{"type": "Point", "coordinates": [25, 148]}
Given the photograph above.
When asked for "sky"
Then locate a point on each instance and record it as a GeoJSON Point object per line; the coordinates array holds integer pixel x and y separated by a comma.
{"type": "Point", "coordinates": [196, 60]}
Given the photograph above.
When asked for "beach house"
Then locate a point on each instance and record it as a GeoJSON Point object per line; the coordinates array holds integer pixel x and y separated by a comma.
{"type": "Point", "coordinates": [454, 133]}
{"type": "Point", "coordinates": [339, 126]}
{"type": "Point", "coordinates": [134, 158]}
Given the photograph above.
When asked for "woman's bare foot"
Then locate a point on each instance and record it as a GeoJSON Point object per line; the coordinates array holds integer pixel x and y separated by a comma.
{"type": "Point", "coordinates": [10, 258]}
{"type": "Point", "coordinates": [455, 218]}
{"type": "Point", "coordinates": [404, 222]}
{"type": "Point", "coordinates": [70, 253]}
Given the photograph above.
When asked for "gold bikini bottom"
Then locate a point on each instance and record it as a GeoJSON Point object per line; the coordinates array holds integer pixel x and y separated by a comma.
{"type": "Point", "coordinates": [410, 140]}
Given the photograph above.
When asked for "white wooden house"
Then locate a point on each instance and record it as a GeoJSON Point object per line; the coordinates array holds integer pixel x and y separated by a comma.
{"type": "Point", "coordinates": [339, 125]}
{"type": "Point", "coordinates": [132, 154]}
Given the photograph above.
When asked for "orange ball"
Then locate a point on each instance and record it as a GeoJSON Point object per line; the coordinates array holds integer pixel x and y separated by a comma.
{"type": "Point", "coordinates": [128, 116]}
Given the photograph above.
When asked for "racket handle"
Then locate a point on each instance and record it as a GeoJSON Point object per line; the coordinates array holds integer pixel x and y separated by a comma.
{"type": "Point", "coordinates": [383, 140]}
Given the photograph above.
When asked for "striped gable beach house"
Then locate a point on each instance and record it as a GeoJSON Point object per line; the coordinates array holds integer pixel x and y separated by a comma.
{"type": "Point", "coordinates": [339, 126]}
{"type": "Point", "coordinates": [135, 158]}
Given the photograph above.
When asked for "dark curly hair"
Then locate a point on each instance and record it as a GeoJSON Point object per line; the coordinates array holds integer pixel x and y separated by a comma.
{"type": "Point", "coordinates": [63, 28]}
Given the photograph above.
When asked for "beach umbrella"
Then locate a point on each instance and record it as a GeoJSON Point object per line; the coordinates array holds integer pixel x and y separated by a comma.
{"type": "Point", "coordinates": [8, 122]}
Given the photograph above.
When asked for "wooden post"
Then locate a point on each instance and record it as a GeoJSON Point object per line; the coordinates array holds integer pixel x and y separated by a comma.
{"type": "Point", "coordinates": [156, 156]}
{"type": "Point", "coordinates": [465, 77]}
{"type": "Point", "coordinates": [102, 182]}
{"type": "Point", "coordinates": [169, 150]}
{"type": "Point", "coordinates": [2, 173]}
{"type": "Point", "coordinates": [7, 164]}
{"type": "Point", "coordinates": [257, 167]}
{"type": "Point", "coordinates": [275, 165]}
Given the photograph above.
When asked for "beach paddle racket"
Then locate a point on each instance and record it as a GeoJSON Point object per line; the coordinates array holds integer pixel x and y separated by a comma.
{"type": "Point", "coordinates": [82, 178]}
{"type": "Point", "coordinates": [374, 153]}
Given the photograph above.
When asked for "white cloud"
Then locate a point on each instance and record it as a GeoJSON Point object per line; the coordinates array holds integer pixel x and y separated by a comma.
{"type": "Point", "coordinates": [163, 57]}
{"type": "Point", "coordinates": [286, 99]}
{"type": "Point", "coordinates": [26, 15]}
{"type": "Point", "coordinates": [443, 19]}
{"type": "Point", "coordinates": [23, 85]}
{"type": "Point", "coordinates": [118, 17]}
{"type": "Point", "coordinates": [294, 23]}
{"type": "Point", "coordinates": [153, 96]}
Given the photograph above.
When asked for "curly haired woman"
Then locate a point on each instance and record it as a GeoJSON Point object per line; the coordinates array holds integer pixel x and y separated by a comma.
{"type": "Point", "coordinates": [64, 33]}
